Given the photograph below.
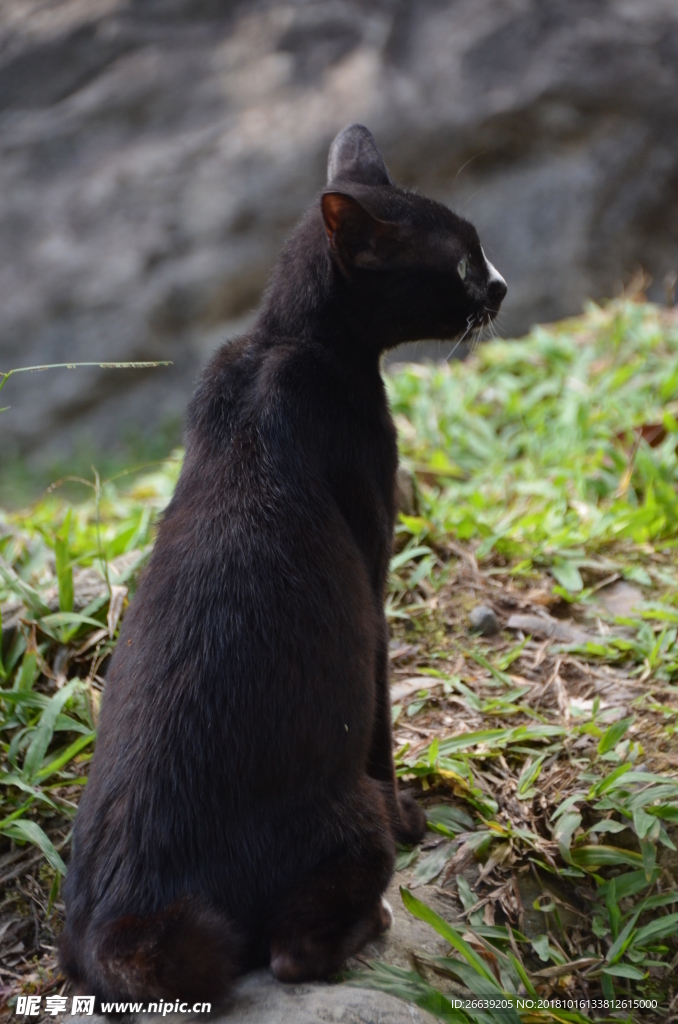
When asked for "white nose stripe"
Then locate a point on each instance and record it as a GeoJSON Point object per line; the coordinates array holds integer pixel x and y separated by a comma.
{"type": "Point", "coordinates": [492, 271]}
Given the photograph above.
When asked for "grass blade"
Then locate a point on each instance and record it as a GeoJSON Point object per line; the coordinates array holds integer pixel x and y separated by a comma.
{"type": "Point", "coordinates": [30, 832]}
{"type": "Point", "coordinates": [447, 932]}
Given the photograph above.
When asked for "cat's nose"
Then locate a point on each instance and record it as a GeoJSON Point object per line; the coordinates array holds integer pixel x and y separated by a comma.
{"type": "Point", "coordinates": [496, 291]}
{"type": "Point", "coordinates": [496, 285]}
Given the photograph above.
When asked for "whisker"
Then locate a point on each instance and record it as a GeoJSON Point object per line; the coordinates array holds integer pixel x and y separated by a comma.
{"type": "Point", "coordinates": [493, 322]}
{"type": "Point", "coordinates": [456, 345]}
{"type": "Point", "coordinates": [499, 327]}
{"type": "Point", "coordinates": [475, 339]}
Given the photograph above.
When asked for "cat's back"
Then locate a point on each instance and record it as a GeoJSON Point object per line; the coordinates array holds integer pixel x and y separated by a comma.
{"type": "Point", "coordinates": [254, 569]}
{"type": "Point", "coordinates": [272, 422]}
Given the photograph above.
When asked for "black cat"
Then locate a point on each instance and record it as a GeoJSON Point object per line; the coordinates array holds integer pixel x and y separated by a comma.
{"type": "Point", "coordinates": [242, 807]}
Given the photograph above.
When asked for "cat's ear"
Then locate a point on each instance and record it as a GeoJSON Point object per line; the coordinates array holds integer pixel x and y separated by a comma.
{"type": "Point", "coordinates": [354, 157]}
{"type": "Point", "coordinates": [357, 236]}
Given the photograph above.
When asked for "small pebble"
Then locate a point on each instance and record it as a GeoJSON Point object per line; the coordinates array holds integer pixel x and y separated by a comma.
{"type": "Point", "coordinates": [484, 620]}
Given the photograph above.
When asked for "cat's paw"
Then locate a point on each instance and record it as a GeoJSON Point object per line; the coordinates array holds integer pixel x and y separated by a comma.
{"type": "Point", "coordinates": [412, 825]}
{"type": "Point", "coordinates": [286, 967]}
{"type": "Point", "coordinates": [386, 914]}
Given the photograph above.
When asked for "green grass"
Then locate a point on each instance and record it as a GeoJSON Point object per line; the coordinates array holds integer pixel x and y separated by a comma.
{"type": "Point", "coordinates": [532, 445]}
{"type": "Point", "coordinates": [535, 486]}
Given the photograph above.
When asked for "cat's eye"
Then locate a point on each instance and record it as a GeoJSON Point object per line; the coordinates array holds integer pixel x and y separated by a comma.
{"type": "Point", "coordinates": [462, 267]}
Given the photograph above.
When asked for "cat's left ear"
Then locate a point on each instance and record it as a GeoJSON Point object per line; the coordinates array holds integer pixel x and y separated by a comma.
{"type": "Point", "coordinates": [354, 157]}
{"type": "Point", "coordinates": [354, 233]}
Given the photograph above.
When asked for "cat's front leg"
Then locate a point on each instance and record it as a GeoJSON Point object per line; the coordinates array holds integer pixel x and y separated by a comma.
{"type": "Point", "coordinates": [409, 821]}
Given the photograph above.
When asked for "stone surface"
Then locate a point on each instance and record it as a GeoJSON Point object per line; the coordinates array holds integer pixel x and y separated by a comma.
{"type": "Point", "coordinates": [483, 620]}
{"type": "Point", "coordinates": [258, 998]}
{"type": "Point", "coordinates": [620, 599]}
{"type": "Point", "coordinates": [546, 626]}
{"type": "Point", "coordinates": [153, 155]}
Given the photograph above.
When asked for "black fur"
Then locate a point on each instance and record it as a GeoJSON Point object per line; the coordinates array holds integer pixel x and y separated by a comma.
{"type": "Point", "coordinates": [242, 806]}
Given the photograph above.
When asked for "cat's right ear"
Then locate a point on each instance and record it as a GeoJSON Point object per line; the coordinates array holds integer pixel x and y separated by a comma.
{"type": "Point", "coordinates": [357, 236]}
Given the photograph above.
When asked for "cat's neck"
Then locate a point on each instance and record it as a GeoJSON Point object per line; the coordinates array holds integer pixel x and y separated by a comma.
{"type": "Point", "coordinates": [309, 300]}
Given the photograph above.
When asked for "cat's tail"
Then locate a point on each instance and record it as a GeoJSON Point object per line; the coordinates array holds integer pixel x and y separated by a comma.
{"type": "Point", "coordinates": [187, 953]}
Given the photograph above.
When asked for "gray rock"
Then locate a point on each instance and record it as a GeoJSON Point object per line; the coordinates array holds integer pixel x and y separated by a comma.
{"type": "Point", "coordinates": [620, 599]}
{"type": "Point", "coordinates": [484, 620]}
{"type": "Point", "coordinates": [154, 155]}
{"type": "Point", "coordinates": [547, 626]}
{"type": "Point", "coordinates": [258, 998]}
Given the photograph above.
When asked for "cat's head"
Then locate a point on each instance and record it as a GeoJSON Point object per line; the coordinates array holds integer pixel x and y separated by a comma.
{"type": "Point", "coordinates": [421, 266]}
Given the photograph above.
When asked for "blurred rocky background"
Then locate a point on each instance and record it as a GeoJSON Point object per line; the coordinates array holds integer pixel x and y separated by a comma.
{"type": "Point", "coordinates": [155, 153]}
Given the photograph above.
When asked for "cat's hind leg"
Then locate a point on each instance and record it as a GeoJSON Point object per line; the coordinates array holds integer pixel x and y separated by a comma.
{"type": "Point", "coordinates": [331, 912]}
